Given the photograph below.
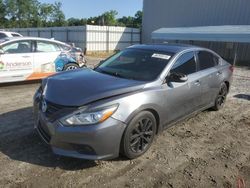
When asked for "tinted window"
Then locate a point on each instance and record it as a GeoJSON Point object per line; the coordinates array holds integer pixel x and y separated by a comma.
{"type": "Point", "coordinates": [2, 35]}
{"type": "Point", "coordinates": [185, 64]}
{"type": "Point", "coordinates": [216, 60]}
{"type": "Point", "coordinates": [17, 47]}
{"type": "Point", "coordinates": [207, 60]}
{"type": "Point", "coordinates": [15, 35]}
{"type": "Point", "coordinates": [46, 47]}
{"type": "Point", "coordinates": [66, 48]}
{"type": "Point", "coordinates": [135, 64]}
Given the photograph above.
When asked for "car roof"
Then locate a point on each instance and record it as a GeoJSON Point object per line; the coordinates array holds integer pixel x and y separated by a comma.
{"type": "Point", "coordinates": [9, 32]}
{"type": "Point", "coordinates": [13, 39]}
{"type": "Point", "coordinates": [165, 47]}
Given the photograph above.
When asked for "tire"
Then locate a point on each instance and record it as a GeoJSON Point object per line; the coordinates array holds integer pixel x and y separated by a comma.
{"type": "Point", "coordinates": [70, 66]}
{"type": "Point", "coordinates": [221, 97]}
{"type": "Point", "coordinates": [138, 135]}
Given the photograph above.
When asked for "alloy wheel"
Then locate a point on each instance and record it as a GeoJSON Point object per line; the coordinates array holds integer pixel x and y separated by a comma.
{"type": "Point", "coordinates": [141, 136]}
{"type": "Point", "coordinates": [71, 68]}
{"type": "Point", "coordinates": [222, 96]}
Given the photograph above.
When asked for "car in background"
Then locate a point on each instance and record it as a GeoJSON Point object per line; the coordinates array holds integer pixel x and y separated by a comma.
{"type": "Point", "coordinates": [121, 105]}
{"type": "Point", "coordinates": [30, 58]}
{"type": "Point", "coordinates": [4, 34]}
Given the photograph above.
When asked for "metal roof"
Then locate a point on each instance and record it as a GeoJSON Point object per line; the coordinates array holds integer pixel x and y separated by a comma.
{"type": "Point", "coordinates": [11, 39]}
{"type": "Point", "coordinates": [227, 33]}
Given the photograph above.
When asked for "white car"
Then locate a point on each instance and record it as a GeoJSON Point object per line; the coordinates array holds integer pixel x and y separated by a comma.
{"type": "Point", "coordinates": [30, 58]}
{"type": "Point", "coordinates": [4, 34]}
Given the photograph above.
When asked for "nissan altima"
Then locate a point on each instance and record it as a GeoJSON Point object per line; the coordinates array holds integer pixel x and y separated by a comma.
{"type": "Point", "coordinates": [123, 103]}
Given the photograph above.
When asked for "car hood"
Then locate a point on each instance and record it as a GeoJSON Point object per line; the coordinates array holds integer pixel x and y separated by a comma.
{"type": "Point", "coordinates": [83, 86]}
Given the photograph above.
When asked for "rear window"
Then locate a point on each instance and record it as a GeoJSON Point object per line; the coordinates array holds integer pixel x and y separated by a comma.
{"type": "Point", "coordinates": [43, 46]}
{"type": "Point", "coordinates": [2, 35]}
{"type": "Point", "coordinates": [15, 35]}
{"type": "Point", "coordinates": [207, 60]}
{"type": "Point", "coordinates": [65, 48]}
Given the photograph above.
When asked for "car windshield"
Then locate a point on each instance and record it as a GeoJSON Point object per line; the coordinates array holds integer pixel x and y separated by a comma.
{"type": "Point", "coordinates": [136, 64]}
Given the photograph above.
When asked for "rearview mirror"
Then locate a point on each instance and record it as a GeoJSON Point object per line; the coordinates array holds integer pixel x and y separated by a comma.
{"type": "Point", "coordinates": [177, 77]}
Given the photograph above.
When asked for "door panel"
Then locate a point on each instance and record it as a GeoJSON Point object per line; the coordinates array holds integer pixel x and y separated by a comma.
{"type": "Point", "coordinates": [210, 76]}
{"type": "Point", "coordinates": [44, 59]}
{"type": "Point", "coordinates": [16, 67]}
{"type": "Point", "coordinates": [16, 62]}
{"type": "Point", "coordinates": [183, 98]}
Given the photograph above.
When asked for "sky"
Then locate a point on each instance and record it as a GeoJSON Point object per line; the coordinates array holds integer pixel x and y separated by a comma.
{"type": "Point", "coordinates": [90, 8]}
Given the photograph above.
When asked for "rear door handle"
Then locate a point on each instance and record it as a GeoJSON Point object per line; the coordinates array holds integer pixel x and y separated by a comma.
{"type": "Point", "coordinates": [218, 73]}
{"type": "Point", "coordinates": [25, 56]}
{"type": "Point", "coordinates": [197, 82]}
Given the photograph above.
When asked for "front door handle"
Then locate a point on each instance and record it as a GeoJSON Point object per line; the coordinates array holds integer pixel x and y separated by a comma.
{"type": "Point", "coordinates": [25, 56]}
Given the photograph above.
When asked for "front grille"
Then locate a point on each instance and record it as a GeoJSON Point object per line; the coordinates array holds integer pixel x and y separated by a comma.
{"type": "Point", "coordinates": [43, 133]}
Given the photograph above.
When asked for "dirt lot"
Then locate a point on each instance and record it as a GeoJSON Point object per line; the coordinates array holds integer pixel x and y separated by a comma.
{"type": "Point", "coordinates": [209, 150]}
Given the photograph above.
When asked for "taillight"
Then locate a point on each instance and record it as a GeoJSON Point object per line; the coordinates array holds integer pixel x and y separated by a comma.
{"type": "Point", "coordinates": [231, 68]}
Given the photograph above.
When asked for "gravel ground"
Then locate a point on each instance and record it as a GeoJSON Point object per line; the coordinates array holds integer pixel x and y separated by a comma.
{"type": "Point", "coordinates": [211, 149]}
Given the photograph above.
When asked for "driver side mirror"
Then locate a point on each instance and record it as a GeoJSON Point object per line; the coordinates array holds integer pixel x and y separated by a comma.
{"type": "Point", "coordinates": [176, 77]}
{"type": "Point", "coordinates": [1, 51]}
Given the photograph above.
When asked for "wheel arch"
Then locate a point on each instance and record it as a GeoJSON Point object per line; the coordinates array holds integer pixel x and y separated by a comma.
{"type": "Point", "coordinates": [151, 110]}
{"type": "Point", "coordinates": [227, 84]}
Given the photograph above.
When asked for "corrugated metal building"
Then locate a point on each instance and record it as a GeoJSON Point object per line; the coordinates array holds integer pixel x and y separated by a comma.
{"type": "Point", "coordinates": [188, 13]}
{"type": "Point", "coordinates": [94, 38]}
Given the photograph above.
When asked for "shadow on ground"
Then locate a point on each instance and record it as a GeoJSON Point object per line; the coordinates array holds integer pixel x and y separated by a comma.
{"type": "Point", "coordinates": [242, 96]}
{"type": "Point", "coordinates": [19, 141]}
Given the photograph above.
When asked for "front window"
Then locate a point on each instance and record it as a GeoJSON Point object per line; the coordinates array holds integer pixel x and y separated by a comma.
{"type": "Point", "coordinates": [136, 64]}
{"type": "Point", "coordinates": [17, 47]}
{"type": "Point", "coordinates": [185, 64]}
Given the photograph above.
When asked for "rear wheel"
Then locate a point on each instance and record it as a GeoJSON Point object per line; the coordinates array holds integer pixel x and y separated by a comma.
{"type": "Point", "coordinates": [139, 135]}
{"type": "Point", "coordinates": [221, 98]}
{"type": "Point", "coordinates": [70, 66]}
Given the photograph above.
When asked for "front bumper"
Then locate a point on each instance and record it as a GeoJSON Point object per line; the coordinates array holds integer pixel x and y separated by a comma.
{"type": "Point", "coordinates": [93, 142]}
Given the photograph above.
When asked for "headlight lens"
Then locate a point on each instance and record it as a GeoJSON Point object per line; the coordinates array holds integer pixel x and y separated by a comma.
{"type": "Point", "coordinates": [83, 117]}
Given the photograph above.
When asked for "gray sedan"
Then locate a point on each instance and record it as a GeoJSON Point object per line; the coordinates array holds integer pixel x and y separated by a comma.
{"type": "Point", "coordinates": [119, 106]}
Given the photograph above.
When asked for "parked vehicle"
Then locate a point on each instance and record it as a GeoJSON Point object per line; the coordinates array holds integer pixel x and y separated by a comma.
{"type": "Point", "coordinates": [4, 34]}
{"type": "Point", "coordinates": [30, 58]}
{"type": "Point", "coordinates": [127, 99]}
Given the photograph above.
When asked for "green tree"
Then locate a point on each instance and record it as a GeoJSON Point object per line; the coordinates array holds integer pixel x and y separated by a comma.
{"type": "Point", "coordinates": [21, 13]}
{"type": "Point", "coordinates": [76, 22]}
{"type": "Point", "coordinates": [125, 21]}
{"type": "Point", "coordinates": [44, 12]}
{"type": "Point", "coordinates": [109, 18]}
{"type": "Point", "coordinates": [2, 14]}
{"type": "Point", "coordinates": [129, 21]}
{"type": "Point", "coordinates": [58, 17]}
{"type": "Point", "coordinates": [138, 19]}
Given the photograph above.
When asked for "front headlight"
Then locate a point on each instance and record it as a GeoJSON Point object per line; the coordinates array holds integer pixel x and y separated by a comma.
{"type": "Point", "coordinates": [83, 117]}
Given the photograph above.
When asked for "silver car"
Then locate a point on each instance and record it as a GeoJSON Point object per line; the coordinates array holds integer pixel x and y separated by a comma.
{"type": "Point", "coordinates": [119, 106]}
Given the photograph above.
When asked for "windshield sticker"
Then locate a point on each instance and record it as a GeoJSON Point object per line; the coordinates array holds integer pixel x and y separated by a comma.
{"type": "Point", "coordinates": [161, 56]}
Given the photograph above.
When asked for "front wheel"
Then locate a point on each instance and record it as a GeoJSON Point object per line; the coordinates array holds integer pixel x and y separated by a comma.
{"type": "Point", "coordinates": [139, 135]}
{"type": "Point", "coordinates": [70, 66]}
{"type": "Point", "coordinates": [221, 97]}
